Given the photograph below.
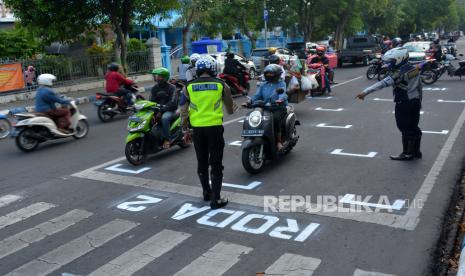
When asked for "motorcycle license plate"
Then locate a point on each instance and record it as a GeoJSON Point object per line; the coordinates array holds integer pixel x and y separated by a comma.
{"type": "Point", "coordinates": [253, 132]}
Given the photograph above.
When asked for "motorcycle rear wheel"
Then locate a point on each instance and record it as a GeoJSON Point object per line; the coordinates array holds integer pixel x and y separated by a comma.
{"type": "Point", "coordinates": [102, 113]}
{"type": "Point", "coordinates": [5, 128]}
{"type": "Point", "coordinates": [371, 73]}
{"type": "Point", "coordinates": [428, 77]}
{"type": "Point", "coordinates": [135, 152]}
{"type": "Point", "coordinates": [251, 161]}
{"type": "Point", "coordinates": [24, 142]}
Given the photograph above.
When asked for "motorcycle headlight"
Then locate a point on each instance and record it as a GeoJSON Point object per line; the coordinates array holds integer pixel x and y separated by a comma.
{"type": "Point", "coordinates": [139, 106]}
{"type": "Point", "coordinates": [255, 119]}
{"type": "Point", "coordinates": [138, 127]}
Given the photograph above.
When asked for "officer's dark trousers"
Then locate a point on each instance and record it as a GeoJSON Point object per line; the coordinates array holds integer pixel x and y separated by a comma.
{"type": "Point", "coordinates": [408, 117]}
{"type": "Point", "coordinates": [209, 145]}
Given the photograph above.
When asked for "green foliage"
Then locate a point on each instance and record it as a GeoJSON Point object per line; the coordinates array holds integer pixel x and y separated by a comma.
{"type": "Point", "coordinates": [18, 43]}
{"type": "Point", "coordinates": [135, 45]}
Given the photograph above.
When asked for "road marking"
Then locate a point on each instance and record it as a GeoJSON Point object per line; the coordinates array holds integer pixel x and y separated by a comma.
{"type": "Point", "coordinates": [241, 121]}
{"type": "Point", "coordinates": [443, 101]}
{"type": "Point", "coordinates": [371, 154]}
{"type": "Point", "coordinates": [444, 132]}
{"type": "Point", "coordinates": [216, 261]}
{"type": "Point", "coordinates": [291, 264]}
{"type": "Point", "coordinates": [325, 109]}
{"type": "Point", "coordinates": [349, 199]}
{"type": "Point", "coordinates": [74, 249]}
{"type": "Point", "coordinates": [359, 272]}
{"type": "Point", "coordinates": [324, 125]}
{"type": "Point", "coordinates": [236, 143]}
{"type": "Point", "coordinates": [139, 203]}
{"type": "Point", "coordinates": [269, 221]}
{"type": "Point", "coordinates": [233, 120]}
{"type": "Point", "coordinates": [250, 186]}
{"type": "Point", "coordinates": [24, 213]}
{"type": "Point", "coordinates": [421, 112]}
{"type": "Point", "coordinates": [39, 232]}
{"type": "Point", "coordinates": [319, 98]}
{"type": "Point", "coordinates": [8, 199]}
{"type": "Point", "coordinates": [342, 83]}
{"type": "Point", "coordinates": [116, 168]}
{"type": "Point", "coordinates": [382, 100]}
{"type": "Point", "coordinates": [146, 252]}
{"type": "Point", "coordinates": [434, 89]}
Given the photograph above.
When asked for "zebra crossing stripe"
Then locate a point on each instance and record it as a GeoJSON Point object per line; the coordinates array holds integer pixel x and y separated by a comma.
{"type": "Point", "coordinates": [293, 265]}
{"type": "Point", "coordinates": [24, 213]}
{"type": "Point", "coordinates": [141, 255]}
{"type": "Point", "coordinates": [8, 199]}
{"type": "Point", "coordinates": [22, 240]}
{"type": "Point", "coordinates": [74, 249]}
{"type": "Point", "coordinates": [359, 272]}
{"type": "Point", "coordinates": [216, 261]}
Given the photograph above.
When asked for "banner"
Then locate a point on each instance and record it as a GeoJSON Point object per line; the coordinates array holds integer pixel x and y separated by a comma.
{"type": "Point", "coordinates": [11, 77]}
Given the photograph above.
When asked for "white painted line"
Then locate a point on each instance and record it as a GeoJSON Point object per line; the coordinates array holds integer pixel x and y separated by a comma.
{"type": "Point", "coordinates": [216, 261]}
{"type": "Point", "coordinates": [116, 168]}
{"type": "Point", "coordinates": [443, 101]}
{"type": "Point", "coordinates": [138, 204]}
{"type": "Point", "coordinates": [250, 186]}
{"type": "Point", "coordinates": [434, 89]}
{"type": "Point", "coordinates": [444, 132]}
{"type": "Point", "coordinates": [382, 100]}
{"type": "Point", "coordinates": [421, 112]}
{"type": "Point", "coordinates": [241, 121]}
{"type": "Point", "coordinates": [25, 238]}
{"type": "Point", "coordinates": [319, 98]}
{"type": "Point", "coordinates": [307, 232]}
{"type": "Point", "coordinates": [24, 213]}
{"type": "Point", "coordinates": [342, 83]}
{"type": "Point", "coordinates": [146, 252]}
{"type": "Point", "coordinates": [324, 125]}
{"type": "Point", "coordinates": [349, 199]}
{"type": "Point", "coordinates": [339, 152]}
{"type": "Point", "coordinates": [359, 272]}
{"type": "Point", "coordinates": [74, 249]}
{"type": "Point", "coordinates": [8, 199]}
{"type": "Point", "coordinates": [325, 109]}
{"type": "Point", "coordinates": [233, 120]}
{"type": "Point", "coordinates": [236, 143]}
{"type": "Point", "coordinates": [291, 264]}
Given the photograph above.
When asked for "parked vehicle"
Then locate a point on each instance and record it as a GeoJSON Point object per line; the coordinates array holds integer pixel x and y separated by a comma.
{"type": "Point", "coordinates": [447, 66]}
{"type": "Point", "coordinates": [299, 48]}
{"type": "Point", "coordinates": [359, 49]}
{"type": "Point", "coordinates": [35, 128]}
{"type": "Point", "coordinates": [109, 105]}
{"type": "Point", "coordinates": [145, 137]}
{"type": "Point", "coordinates": [260, 139]}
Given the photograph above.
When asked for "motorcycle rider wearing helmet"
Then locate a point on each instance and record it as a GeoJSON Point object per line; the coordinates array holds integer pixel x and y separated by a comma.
{"type": "Point", "coordinates": [45, 103]}
{"type": "Point", "coordinates": [275, 59]}
{"type": "Point", "coordinates": [164, 93]}
{"type": "Point", "coordinates": [233, 67]}
{"type": "Point", "coordinates": [272, 91]}
{"type": "Point", "coordinates": [407, 90]}
{"type": "Point", "coordinates": [116, 83]}
{"type": "Point", "coordinates": [191, 73]}
{"type": "Point", "coordinates": [323, 59]}
{"type": "Point", "coordinates": [205, 97]}
{"type": "Point", "coordinates": [396, 42]}
{"type": "Point", "coordinates": [437, 50]}
{"type": "Point", "coordinates": [183, 67]}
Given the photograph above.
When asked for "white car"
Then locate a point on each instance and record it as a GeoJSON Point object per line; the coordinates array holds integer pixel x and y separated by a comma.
{"type": "Point", "coordinates": [417, 50]}
{"type": "Point", "coordinates": [261, 54]}
{"type": "Point", "coordinates": [221, 56]}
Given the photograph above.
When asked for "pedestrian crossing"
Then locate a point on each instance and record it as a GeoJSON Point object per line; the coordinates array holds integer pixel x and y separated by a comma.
{"type": "Point", "coordinates": [218, 259]}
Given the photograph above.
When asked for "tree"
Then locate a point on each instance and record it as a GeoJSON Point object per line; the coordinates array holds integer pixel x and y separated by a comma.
{"type": "Point", "coordinates": [18, 43]}
{"type": "Point", "coordinates": [63, 20]}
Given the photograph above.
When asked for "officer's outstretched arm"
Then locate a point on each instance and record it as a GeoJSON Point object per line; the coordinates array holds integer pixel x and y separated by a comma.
{"type": "Point", "coordinates": [227, 99]}
{"type": "Point", "coordinates": [388, 81]}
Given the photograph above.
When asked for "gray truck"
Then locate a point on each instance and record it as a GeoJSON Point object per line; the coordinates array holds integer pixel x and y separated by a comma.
{"type": "Point", "coordinates": [359, 49]}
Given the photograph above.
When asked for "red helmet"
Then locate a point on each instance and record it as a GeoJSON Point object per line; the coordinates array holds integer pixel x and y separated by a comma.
{"type": "Point", "coordinates": [321, 48]}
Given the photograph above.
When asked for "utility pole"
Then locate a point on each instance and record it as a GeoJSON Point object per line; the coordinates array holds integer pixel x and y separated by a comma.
{"type": "Point", "coordinates": [265, 17]}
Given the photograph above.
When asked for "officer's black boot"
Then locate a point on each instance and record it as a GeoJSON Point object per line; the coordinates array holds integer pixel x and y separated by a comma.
{"type": "Point", "coordinates": [206, 190]}
{"type": "Point", "coordinates": [417, 152]}
{"type": "Point", "coordinates": [407, 152]}
{"type": "Point", "coordinates": [217, 202]}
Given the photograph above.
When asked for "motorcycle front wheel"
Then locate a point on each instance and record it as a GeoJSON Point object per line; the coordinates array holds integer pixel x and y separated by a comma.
{"type": "Point", "coordinates": [103, 111]}
{"type": "Point", "coordinates": [25, 142]}
{"type": "Point", "coordinates": [428, 77]}
{"type": "Point", "coordinates": [5, 128]}
{"type": "Point", "coordinates": [371, 72]}
{"type": "Point", "coordinates": [135, 152]}
{"type": "Point", "coordinates": [251, 160]}
{"type": "Point", "coordinates": [82, 129]}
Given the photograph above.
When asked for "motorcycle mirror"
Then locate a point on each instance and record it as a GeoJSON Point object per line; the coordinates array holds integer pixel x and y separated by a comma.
{"type": "Point", "coordinates": [461, 55]}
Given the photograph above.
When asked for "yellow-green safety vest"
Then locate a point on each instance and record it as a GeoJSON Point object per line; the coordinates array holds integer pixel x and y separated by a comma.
{"type": "Point", "coordinates": [206, 105]}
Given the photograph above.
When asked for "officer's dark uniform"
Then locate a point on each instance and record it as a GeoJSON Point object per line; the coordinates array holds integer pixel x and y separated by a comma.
{"type": "Point", "coordinates": [407, 92]}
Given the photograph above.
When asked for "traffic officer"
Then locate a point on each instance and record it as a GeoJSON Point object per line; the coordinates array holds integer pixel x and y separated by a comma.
{"type": "Point", "coordinates": [204, 106]}
{"type": "Point", "coordinates": [407, 92]}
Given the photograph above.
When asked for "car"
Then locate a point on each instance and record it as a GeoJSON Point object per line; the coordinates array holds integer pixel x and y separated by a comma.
{"type": "Point", "coordinates": [361, 48]}
{"type": "Point", "coordinates": [221, 56]}
{"type": "Point", "coordinates": [260, 55]}
{"type": "Point", "coordinates": [417, 50]}
{"type": "Point", "coordinates": [299, 49]}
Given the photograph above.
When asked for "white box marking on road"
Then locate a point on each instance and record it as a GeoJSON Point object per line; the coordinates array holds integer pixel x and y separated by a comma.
{"type": "Point", "coordinates": [443, 132]}
{"type": "Point", "coordinates": [444, 101]}
{"type": "Point", "coordinates": [293, 265]}
{"type": "Point", "coordinates": [24, 213]}
{"type": "Point", "coordinates": [327, 126]}
{"type": "Point", "coordinates": [349, 199]}
{"type": "Point", "coordinates": [8, 199]}
{"type": "Point", "coordinates": [359, 272]}
{"type": "Point", "coordinates": [117, 168]}
{"type": "Point", "coordinates": [328, 109]}
{"type": "Point", "coordinates": [371, 154]}
{"type": "Point", "coordinates": [236, 143]}
{"type": "Point", "coordinates": [382, 100]}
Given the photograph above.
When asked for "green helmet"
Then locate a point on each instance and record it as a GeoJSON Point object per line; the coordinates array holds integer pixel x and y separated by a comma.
{"type": "Point", "coordinates": [185, 60]}
{"type": "Point", "coordinates": [162, 71]}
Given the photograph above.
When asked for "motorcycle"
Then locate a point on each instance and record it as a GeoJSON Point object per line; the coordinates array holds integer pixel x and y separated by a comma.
{"type": "Point", "coordinates": [375, 67]}
{"type": "Point", "coordinates": [447, 66]}
{"type": "Point", "coordinates": [5, 126]}
{"type": "Point", "coordinates": [109, 105]}
{"type": "Point", "coordinates": [427, 74]}
{"type": "Point", "coordinates": [35, 128]}
{"type": "Point", "coordinates": [233, 83]}
{"type": "Point", "coordinates": [259, 138]}
{"type": "Point", "coordinates": [145, 137]}
{"type": "Point", "coordinates": [317, 71]}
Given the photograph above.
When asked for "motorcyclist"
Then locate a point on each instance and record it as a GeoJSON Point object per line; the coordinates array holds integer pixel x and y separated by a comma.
{"type": "Point", "coordinates": [117, 84]}
{"type": "Point", "coordinates": [191, 72]}
{"type": "Point", "coordinates": [322, 59]}
{"type": "Point", "coordinates": [275, 59]}
{"type": "Point", "coordinates": [437, 50]}
{"type": "Point", "coordinates": [45, 103]}
{"type": "Point", "coordinates": [183, 67]}
{"type": "Point", "coordinates": [387, 45]}
{"type": "Point", "coordinates": [396, 42]}
{"type": "Point", "coordinates": [233, 67]}
{"type": "Point", "coordinates": [407, 90]}
{"type": "Point", "coordinates": [164, 94]}
{"type": "Point", "coordinates": [272, 91]}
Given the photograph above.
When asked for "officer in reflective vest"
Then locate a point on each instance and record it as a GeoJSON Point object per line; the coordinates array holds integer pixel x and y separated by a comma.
{"type": "Point", "coordinates": [204, 106]}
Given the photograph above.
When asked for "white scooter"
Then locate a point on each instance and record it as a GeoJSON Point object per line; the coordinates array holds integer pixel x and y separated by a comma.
{"type": "Point", "coordinates": [35, 128]}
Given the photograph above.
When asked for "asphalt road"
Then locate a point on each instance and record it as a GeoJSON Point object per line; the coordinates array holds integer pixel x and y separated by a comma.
{"type": "Point", "coordinates": [77, 207]}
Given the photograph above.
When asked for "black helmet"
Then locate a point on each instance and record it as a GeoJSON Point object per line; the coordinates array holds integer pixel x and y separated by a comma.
{"type": "Point", "coordinates": [274, 59]}
{"type": "Point", "coordinates": [436, 41]}
{"type": "Point", "coordinates": [230, 55]}
{"type": "Point", "coordinates": [272, 72]}
{"type": "Point", "coordinates": [396, 42]}
{"type": "Point", "coordinates": [113, 67]}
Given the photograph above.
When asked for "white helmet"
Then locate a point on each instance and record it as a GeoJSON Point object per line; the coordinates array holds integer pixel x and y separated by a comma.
{"type": "Point", "coordinates": [396, 56]}
{"type": "Point", "coordinates": [46, 79]}
{"type": "Point", "coordinates": [194, 57]}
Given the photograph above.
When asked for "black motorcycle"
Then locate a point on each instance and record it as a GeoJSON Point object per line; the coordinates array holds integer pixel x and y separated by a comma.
{"type": "Point", "coordinates": [447, 66]}
{"type": "Point", "coordinates": [374, 68]}
{"type": "Point", "coordinates": [260, 139]}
